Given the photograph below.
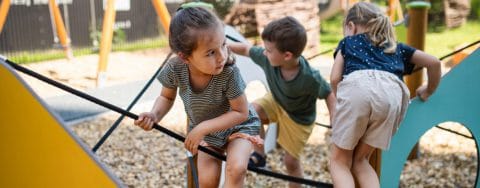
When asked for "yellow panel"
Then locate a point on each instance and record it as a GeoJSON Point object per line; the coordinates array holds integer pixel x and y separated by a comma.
{"type": "Point", "coordinates": [36, 148]}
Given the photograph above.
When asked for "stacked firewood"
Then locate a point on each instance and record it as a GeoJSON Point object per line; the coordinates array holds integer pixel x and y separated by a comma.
{"type": "Point", "coordinates": [250, 17]}
{"type": "Point", "coordinates": [456, 12]}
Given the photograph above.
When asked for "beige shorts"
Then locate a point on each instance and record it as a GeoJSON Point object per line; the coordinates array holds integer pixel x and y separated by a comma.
{"type": "Point", "coordinates": [370, 106]}
{"type": "Point", "coordinates": [292, 136]}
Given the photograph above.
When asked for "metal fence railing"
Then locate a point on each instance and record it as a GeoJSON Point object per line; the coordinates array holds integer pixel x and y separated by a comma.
{"type": "Point", "coordinates": [29, 32]}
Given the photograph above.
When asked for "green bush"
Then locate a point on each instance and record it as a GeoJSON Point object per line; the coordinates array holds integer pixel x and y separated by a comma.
{"type": "Point", "coordinates": [475, 9]}
{"type": "Point", "coordinates": [222, 7]}
{"type": "Point", "coordinates": [436, 16]}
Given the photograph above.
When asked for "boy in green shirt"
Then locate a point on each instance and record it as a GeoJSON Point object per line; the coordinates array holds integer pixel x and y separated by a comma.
{"type": "Point", "coordinates": [294, 90]}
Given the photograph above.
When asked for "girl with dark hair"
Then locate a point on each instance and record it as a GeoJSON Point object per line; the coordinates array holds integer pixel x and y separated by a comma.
{"type": "Point", "coordinates": [212, 91]}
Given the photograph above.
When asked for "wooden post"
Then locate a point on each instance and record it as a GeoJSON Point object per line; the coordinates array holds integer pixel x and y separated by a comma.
{"type": "Point", "coordinates": [417, 28]}
{"type": "Point", "coordinates": [4, 7]}
{"type": "Point", "coordinates": [163, 14]}
{"type": "Point", "coordinates": [106, 41]}
{"type": "Point", "coordinates": [60, 27]}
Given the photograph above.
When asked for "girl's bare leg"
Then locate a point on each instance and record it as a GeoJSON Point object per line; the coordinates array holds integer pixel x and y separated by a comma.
{"type": "Point", "coordinates": [209, 169]}
{"type": "Point", "coordinates": [340, 164]}
{"type": "Point", "coordinates": [238, 153]}
{"type": "Point", "coordinates": [362, 170]}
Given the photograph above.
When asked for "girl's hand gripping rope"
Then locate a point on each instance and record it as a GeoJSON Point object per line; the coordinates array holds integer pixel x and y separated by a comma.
{"type": "Point", "coordinates": [146, 120]}
{"type": "Point", "coordinates": [193, 139]}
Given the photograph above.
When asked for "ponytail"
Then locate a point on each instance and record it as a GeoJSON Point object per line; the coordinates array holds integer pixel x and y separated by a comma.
{"type": "Point", "coordinates": [381, 33]}
{"type": "Point", "coordinates": [379, 28]}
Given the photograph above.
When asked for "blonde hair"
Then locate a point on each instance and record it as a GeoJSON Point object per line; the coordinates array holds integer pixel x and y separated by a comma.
{"type": "Point", "coordinates": [378, 26]}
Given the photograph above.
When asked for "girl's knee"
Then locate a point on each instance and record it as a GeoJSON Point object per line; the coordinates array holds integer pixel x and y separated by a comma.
{"type": "Point", "coordinates": [208, 181]}
{"type": "Point", "coordinates": [360, 163]}
{"type": "Point", "coordinates": [236, 169]}
{"type": "Point", "coordinates": [360, 159]}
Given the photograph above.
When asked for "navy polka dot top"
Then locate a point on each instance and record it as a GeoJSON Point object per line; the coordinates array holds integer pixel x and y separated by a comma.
{"type": "Point", "coordinates": [359, 54]}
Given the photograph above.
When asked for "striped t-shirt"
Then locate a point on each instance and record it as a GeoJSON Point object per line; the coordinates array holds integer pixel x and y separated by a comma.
{"type": "Point", "coordinates": [212, 101]}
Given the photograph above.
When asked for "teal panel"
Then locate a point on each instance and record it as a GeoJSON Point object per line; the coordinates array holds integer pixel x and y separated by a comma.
{"type": "Point", "coordinates": [456, 99]}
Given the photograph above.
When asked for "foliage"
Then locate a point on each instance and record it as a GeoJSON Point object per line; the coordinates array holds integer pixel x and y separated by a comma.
{"type": "Point", "coordinates": [444, 42]}
{"type": "Point", "coordinates": [436, 16]}
{"type": "Point", "coordinates": [475, 9]}
{"type": "Point", "coordinates": [330, 32]}
{"type": "Point", "coordinates": [222, 7]}
{"type": "Point", "coordinates": [119, 37]}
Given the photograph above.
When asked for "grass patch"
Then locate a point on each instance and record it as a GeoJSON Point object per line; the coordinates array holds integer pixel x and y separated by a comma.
{"type": "Point", "coordinates": [51, 54]}
{"type": "Point", "coordinates": [331, 32]}
{"type": "Point", "coordinates": [444, 42]}
{"type": "Point", "coordinates": [437, 43]}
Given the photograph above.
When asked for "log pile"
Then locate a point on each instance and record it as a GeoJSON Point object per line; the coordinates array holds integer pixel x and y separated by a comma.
{"type": "Point", "coordinates": [456, 12]}
{"type": "Point", "coordinates": [249, 17]}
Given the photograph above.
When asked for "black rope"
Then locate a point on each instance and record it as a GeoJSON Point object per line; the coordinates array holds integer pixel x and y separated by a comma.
{"type": "Point", "coordinates": [454, 132]}
{"type": "Point", "coordinates": [130, 106]}
{"type": "Point", "coordinates": [232, 38]}
{"type": "Point", "coordinates": [322, 53]}
{"type": "Point", "coordinates": [158, 127]}
{"type": "Point", "coordinates": [451, 53]}
{"type": "Point", "coordinates": [323, 125]}
{"type": "Point", "coordinates": [459, 50]}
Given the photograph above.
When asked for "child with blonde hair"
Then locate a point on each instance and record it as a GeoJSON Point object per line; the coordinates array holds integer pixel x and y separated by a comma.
{"type": "Point", "coordinates": [371, 96]}
{"type": "Point", "coordinates": [212, 91]}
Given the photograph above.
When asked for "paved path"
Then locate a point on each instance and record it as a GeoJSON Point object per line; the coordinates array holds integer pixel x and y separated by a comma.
{"type": "Point", "coordinates": [72, 108]}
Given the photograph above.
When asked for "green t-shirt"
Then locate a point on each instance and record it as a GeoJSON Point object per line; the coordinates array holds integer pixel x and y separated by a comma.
{"type": "Point", "coordinates": [297, 96]}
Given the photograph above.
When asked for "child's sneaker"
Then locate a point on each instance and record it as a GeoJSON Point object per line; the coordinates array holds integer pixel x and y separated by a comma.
{"type": "Point", "coordinates": [257, 160]}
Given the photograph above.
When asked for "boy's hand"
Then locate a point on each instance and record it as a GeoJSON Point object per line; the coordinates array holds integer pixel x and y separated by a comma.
{"type": "Point", "coordinates": [423, 93]}
{"type": "Point", "coordinates": [193, 139]}
{"type": "Point", "coordinates": [145, 120]}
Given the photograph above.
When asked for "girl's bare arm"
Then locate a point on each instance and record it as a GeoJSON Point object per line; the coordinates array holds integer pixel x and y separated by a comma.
{"type": "Point", "coordinates": [422, 59]}
{"type": "Point", "coordinates": [237, 115]}
{"type": "Point", "coordinates": [337, 70]}
{"type": "Point", "coordinates": [162, 105]}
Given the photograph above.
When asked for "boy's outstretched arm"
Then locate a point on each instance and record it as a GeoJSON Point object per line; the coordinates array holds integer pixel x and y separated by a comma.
{"type": "Point", "coordinates": [434, 72]}
{"type": "Point", "coordinates": [240, 48]}
{"type": "Point", "coordinates": [162, 105]}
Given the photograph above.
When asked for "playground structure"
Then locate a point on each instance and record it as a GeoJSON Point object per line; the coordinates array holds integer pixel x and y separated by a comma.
{"type": "Point", "coordinates": [57, 24]}
{"type": "Point", "coordinates": [458, 93]}
{"type": "Point", "coordinates": [36, 145]}
{"type": "Point", "coordinates": [387, 179]}
{"type": "Point", "coordinates": [60, 32]}
{"type": "Point", "coordinates": [453, 92]}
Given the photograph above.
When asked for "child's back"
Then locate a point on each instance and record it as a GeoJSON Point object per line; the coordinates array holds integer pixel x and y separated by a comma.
{"type": "Point", "coordinates": [371, 96]}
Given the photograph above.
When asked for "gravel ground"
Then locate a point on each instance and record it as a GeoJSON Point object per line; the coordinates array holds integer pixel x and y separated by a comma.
{"type": "Point", "coordinates": [152, 159]}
